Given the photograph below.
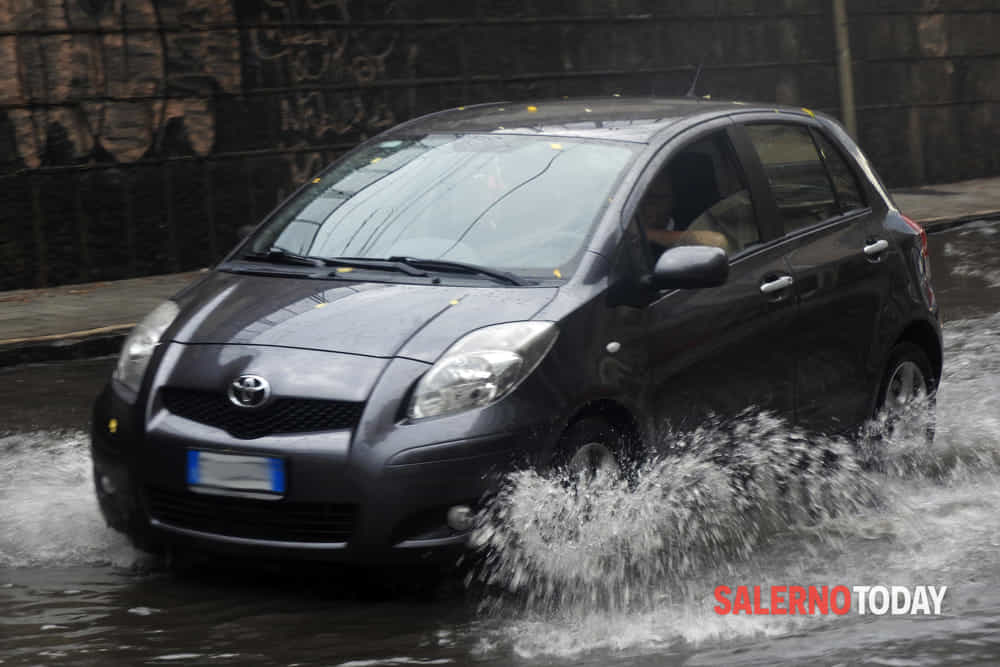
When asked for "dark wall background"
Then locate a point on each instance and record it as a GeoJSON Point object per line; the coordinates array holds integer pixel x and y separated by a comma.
{"type": "Point", "coordinates": [136, 136]}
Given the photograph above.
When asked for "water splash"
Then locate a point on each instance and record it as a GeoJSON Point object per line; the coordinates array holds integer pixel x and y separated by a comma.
{"type": "Point", "coordinates": [50, 515]}
{"type": "Point", "coordinates": [616, 566]}
{"type": "Point", "coordinates": [928, 517]}
{"type": "Point", "coordinates": [557, 542]}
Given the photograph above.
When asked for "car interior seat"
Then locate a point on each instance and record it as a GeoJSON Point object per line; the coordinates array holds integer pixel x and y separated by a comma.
{"type": "Point", "coordinates": [695, 186]}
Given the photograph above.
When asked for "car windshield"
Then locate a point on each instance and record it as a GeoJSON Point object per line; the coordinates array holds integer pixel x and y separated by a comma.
{"type": "Point", "coordinates": [519, 203]}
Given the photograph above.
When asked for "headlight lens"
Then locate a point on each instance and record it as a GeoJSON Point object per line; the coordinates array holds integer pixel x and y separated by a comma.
{"type": "Point", "coordinates": [482, 367]}
{"type": "Point", "coordinates": [141, 342]}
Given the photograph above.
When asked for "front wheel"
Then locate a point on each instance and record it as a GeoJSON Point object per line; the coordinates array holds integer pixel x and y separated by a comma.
{"type": "Point", "coordinates": [593, 447]}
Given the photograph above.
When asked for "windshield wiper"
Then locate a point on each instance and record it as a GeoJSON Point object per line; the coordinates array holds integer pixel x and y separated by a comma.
{"type": "Point", "coordinates": [411, 266]}
{"type": "Point", "coordinates": [280, 256]}
{"type": "Point", "coordinates": [462, 267]}
{"type": "Point", "coordinates": [375, 264]}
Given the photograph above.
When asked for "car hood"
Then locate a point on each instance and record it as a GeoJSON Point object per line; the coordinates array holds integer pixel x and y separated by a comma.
{"type": "Point", "coordinates": [374, 319]}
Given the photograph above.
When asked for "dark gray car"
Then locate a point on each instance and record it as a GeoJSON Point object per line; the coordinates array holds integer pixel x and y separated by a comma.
{"type": "Point", "coordinates": [511, 285]}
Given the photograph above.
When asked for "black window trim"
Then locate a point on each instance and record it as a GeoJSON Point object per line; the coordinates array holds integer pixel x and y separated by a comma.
{"type": "Point", "coordinates": [818, 133]}
{"type": "Point", "coordinates": [829, 223]}
{"type": "Point", "coordinates": [826, 169]}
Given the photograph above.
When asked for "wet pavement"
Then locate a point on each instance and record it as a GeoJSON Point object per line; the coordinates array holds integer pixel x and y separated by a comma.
{"type": "Point", "coordinates": [945, 203]}
{"type": "Point", "coordinates": [966, 269]}
{"type": "Point", "coordinates": [73, 592]}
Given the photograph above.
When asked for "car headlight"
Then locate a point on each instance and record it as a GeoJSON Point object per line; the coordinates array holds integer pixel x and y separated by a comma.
{"type": "Point", "coordinates": [482, 367]}
{"type": "Point", "coordinates": [140, 343]}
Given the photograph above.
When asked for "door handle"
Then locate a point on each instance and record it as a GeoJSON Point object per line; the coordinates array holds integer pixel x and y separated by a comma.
{"type": "Point", "coordinates": [876, 248]}
{"type": "Point", "coordinates": [776, 285]}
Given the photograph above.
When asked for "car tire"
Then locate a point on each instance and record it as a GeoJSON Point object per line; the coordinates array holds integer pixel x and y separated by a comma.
{"type": "Point", "coordinates": [592, 445]}
{"type": "Point", "coordinates": [908, 377]}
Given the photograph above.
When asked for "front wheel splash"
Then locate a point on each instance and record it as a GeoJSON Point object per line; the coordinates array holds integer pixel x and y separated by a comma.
{"type": "Point", "coordinates": [552, 541]}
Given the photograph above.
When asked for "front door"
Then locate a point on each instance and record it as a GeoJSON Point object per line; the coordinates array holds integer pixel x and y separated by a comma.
{"type": "Point", "coordinates": [715, 351]}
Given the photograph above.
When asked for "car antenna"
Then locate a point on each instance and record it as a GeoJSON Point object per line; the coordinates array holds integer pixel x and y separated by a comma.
{"type": "Point", "coordinates": [694, 82]}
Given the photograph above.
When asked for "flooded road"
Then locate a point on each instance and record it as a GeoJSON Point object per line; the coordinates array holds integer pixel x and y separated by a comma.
{"type": "Point", "coordinates": [567, 589]}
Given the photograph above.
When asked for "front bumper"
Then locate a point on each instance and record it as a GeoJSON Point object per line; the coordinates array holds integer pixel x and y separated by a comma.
{"type": "Point", "coordinates": [348, 498]}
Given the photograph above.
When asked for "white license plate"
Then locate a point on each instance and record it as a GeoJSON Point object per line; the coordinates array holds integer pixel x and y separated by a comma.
{"type": "Point", "coordinates": [235, 472]}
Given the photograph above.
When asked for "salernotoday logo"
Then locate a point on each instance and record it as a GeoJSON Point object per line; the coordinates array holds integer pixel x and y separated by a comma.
{"type": "Point", "coordinates": [878, 600]}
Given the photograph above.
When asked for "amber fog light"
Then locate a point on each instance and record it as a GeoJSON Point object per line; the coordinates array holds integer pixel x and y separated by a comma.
{"type": "Point", "coordinates": [460, 518]}
{"type": "Point", "coordinates": [108, 485]}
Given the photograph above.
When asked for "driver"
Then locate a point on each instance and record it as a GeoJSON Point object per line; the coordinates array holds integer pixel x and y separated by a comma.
{"type": "Point", "coordinates": [654, 215]}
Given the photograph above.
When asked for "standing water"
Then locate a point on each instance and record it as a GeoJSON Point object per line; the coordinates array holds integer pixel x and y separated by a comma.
{"type": "Point", "coordinates": [606, 573]}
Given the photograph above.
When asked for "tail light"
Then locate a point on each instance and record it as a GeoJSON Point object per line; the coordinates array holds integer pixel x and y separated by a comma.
{"type": "Point", "coordinates": [925, 259]}
{"type": "Point", "coordinates": [923, 235]}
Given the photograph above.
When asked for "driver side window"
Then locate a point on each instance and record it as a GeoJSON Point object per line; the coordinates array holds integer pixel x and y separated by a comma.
{"type": "Point", "coordinates": [700, 197]}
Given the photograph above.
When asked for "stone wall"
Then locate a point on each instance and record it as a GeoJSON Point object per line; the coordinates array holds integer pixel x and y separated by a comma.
{"type": "Point", "coordinates": [137, 136]}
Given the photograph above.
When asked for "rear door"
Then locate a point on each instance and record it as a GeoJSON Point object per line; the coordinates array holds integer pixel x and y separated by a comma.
{"type": "Point", "coordinates": [840, 278]}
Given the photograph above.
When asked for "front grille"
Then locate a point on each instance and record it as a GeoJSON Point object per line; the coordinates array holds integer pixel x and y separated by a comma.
{"type": "Point", "coordinates": [282, 415]}
{"type": "Point", "coordinates": [255, 519]}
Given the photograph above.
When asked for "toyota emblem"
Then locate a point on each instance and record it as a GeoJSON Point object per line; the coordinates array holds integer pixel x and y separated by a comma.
{"type": "Point", "coordinates": [249, 391]}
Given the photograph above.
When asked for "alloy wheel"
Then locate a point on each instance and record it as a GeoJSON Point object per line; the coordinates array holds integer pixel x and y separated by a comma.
{"type": "Point", "coordinates": [593, 459]}
{"type": "Point", "coordinates": [904, 405]}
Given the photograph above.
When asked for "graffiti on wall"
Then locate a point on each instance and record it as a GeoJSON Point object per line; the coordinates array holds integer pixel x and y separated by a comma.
{"type": "Point", "coordinates": [321, 75]}
{"type": "Point", "coordinates": [100, 80]}
{"type": "Point", "coordinates": [89, 79]}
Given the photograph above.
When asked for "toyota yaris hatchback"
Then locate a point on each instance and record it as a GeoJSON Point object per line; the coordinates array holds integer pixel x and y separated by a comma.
{"type": "Point", "coordinates": [503, 286]}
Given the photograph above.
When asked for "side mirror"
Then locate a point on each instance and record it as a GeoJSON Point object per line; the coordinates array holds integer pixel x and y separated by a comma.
{"type": "Point", "coordinates": [687, 267]}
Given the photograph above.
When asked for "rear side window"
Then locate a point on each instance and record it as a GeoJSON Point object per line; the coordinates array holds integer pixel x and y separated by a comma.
{"type": "Point", "coordinates": [845, 181]}
{"type": "Point", "coordinates": [796, 174]}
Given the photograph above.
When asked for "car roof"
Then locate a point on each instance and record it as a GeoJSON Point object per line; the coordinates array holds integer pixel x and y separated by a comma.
{"type": "Point", "coordinates": [616, 118]}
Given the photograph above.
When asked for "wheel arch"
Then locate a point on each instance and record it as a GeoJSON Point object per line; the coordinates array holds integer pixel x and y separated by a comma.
{"type": "Point", "coordinates": [620, 418]}
{"type": "Point", "coordinates": [925, 336]}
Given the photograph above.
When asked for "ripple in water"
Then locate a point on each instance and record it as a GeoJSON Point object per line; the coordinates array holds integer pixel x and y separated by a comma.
{"type": "Point", "coordinates": [973, 254]}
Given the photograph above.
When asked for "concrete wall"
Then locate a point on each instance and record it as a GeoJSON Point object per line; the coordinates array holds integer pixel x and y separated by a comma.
{"type": "Point", "coordinates": [136, 136]}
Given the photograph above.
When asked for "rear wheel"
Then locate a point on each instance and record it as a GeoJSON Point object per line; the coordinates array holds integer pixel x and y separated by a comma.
{"type": "Point", "coordinates": [906, 396]}
{"type": "Point", "coordinates": [904, 415]}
